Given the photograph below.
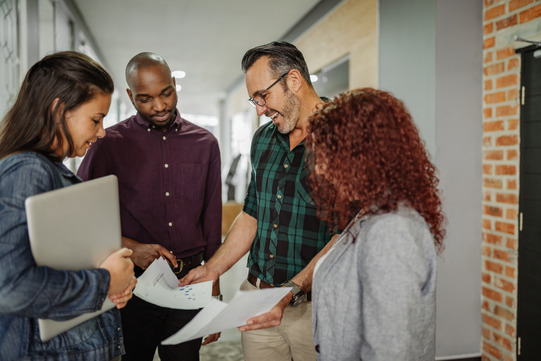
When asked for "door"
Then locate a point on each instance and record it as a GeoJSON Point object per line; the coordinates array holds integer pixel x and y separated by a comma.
{"type": "Point", "coordinates": [529, 243]}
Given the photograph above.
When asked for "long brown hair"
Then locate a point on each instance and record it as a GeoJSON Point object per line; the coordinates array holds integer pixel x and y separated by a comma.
{"type": "Point", "coordinates": [32, 124]}
{"type": "Point", "coordinates": [365, 142]}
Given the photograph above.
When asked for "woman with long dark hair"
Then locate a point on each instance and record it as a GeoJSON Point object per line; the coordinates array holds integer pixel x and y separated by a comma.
{"type": "Point", "coordinates": [58, 113]}
{"type": "Point", "coordinates": [374, 292]}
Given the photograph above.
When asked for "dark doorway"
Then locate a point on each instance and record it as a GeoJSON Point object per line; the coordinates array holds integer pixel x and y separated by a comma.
{"type": "Point", "coordinates": [529, 243]}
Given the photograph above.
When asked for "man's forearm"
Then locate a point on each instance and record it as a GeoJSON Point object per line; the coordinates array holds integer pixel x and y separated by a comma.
{"type": "Point", "coordinates": [237, 242]}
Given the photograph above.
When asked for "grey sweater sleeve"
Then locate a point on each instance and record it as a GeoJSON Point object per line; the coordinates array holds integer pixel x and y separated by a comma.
{"type": "Point", "coordinates": [397, 271]}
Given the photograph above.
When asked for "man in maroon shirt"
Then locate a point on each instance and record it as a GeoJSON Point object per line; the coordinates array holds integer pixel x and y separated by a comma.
{"type": "Point", "coordinates": [169, 179]}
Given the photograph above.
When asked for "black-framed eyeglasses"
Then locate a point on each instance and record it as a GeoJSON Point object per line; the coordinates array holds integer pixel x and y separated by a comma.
{"type": "Point", "coordinates": [259, 99]}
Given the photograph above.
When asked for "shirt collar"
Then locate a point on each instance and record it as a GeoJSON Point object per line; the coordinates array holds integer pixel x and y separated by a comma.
{"type": "Point", "coordinates": [175, 126]}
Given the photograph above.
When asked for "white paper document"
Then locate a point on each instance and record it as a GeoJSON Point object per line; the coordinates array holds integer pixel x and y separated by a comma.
{"type": "Point", "coordinates": [218, 316]}
{"type": "Point", "coordinates": [159, 285]}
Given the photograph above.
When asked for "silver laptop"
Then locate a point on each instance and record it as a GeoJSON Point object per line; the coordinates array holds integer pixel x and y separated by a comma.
{"type": "Point", "coordinates": [74, 228]}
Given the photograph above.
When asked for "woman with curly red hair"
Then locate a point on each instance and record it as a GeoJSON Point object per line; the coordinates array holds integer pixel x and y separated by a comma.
{"type": "Point", "coordinates": [374, 292]}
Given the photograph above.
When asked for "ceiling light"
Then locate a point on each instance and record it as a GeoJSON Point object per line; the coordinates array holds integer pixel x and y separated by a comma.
{"type": "Point", "coordinates": [313, 78]}
{"type": "Point", "coordinates": [179, 74]}
{"type": "Point", "coordinates": [178, 87]}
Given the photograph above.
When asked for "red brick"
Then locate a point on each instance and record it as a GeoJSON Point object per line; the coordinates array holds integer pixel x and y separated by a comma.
{"type": "Point", "coordinates": [501, 255]}
{"type": "Point", "coordinates": [487, 113]}
{"type": "Point", "coordinates": [485, 332]}
{"type": "Point", "coordinates": [506, 198]}
{"type": "Point", "coordinates": [513, 64]}
{"type": "Point", "coordinates": [488, 84]}
{"type": "Point", "coordinates": [511, 243]}
{"type": "Point", "coordinates": [504, 285]}
{"type": "Point", "coordinates": [487, 224]}
{"type": "Point", "coordinates": [493, 154]}
{"type": "Point", "coordinates": [489, 43]}
{"type": "Point", "coordinates": [494, 12]}
{"type": "Point", "coordinates": [489, 3]}
{"type": "Point", "coordinates": [512, 94]}
{"type": "Point", "coordinates": [492, 238]}
{"type": "Point", "coordinates": [497, 97]}
{"type": "Point", "coordinates": [509, 301]}
{"type": "Point", "coordinates": [511, 214]}
{"type": "Point", "coordinates": [512, 154]}
{"type": "Point", "coordinates": [515, 4]}
{"type": "Point", "coordinates": [493, 126]}
{"type": "Point", "coordinates": [512, 124]}
{"type": "Point", "coordinates": [487, 169]}
{"type": "Point", "coordinates": [511, 185]}
{"type": "Point", "coordinates": [496, 268]}
{"type": "Point", "coordinates": [488, 57]}
{"type": "Point", "coordinates": [487, 141]}
{"type": "Point", "coordinates": [506, 170]}
{"type": "Point", "coordinates": [530, 14]}
{"type": "Point", "coordinates": [507, 140]}
{"type": "Point", "coordinates": [493, 351]}
{"type": "Point", "coordinates": [485, 277]}
{"type": "Point", "coordinates": [510, 272]}
{"type": "Point", "coordinates": [505, 227]}
{"type": "Point", "coordinates": [494, 69]}
{"type": "Point", "coordinates": [503, 313]}
{"type": "Point", "coordinates": [510, 331]}
{"type": "Point", "coordinates": [488, 28]}
{"type": "Point", "coordinates": [506, 110]}
{"type": "Point", "coordinates": [493, 183]}
{"type": "Point", "coordinates": [507, 80]}
{"type": "Point", "coordinates": [491, 321]}
{"type": "Point", "coordinates": [493, 211]}
{"type": "Point", "coordinates": [505, 53]}
{"type": "Point", "coordinates": [503, 341]}
{"type": "Point", "coordinates": [507, 22]}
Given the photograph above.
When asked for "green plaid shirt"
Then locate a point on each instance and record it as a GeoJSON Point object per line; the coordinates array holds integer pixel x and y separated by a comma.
{"type": "Point", "coordinates": [289, 234]}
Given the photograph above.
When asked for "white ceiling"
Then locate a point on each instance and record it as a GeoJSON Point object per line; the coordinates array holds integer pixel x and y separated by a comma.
{"type": "Point", "coordinates": [204, 38]}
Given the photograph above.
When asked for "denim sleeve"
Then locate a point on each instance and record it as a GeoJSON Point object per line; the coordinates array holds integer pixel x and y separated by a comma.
{"type": "Point", "coordinates": [27, 290]}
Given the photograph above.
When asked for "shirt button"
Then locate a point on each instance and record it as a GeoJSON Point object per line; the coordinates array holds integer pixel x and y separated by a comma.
{"type": "Point", "coordinates": [279, 196]}
{"type": "Point", "coordinates": [286, 166]}
{"type": "Point", "coordinates": [148, 129]}
{"type": "Point", "coordinates": [170, 224]}
{"type": "Point", "coordinates": [271, 255]}
{"type": "Point", "coordinates": [118, 347]}
{"type": "Point", "coordinates": [164, 137]}
{"type": "Point", "coordinates": [166, 165]}
{"type": "Point", "coordinates": [118, 329]}
{"type": "Point", "coordinates": [275, 225]}
{"type": "Point", "coordinates": [167, 194]}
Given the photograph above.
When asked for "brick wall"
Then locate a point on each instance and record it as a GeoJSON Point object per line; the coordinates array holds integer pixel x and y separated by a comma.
{"type": "Point", "coordinates": [502, 19]}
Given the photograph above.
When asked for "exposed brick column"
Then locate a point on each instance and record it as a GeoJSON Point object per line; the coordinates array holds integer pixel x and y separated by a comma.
{"type": "Point", "coordinates": [501, 145]}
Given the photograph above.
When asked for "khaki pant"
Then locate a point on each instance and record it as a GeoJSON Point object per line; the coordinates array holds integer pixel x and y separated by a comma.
{"type": "Point", "coordinates": [292, 340]}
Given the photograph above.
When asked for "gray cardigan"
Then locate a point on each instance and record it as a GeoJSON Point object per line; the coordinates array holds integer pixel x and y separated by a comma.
{"type": "Point", "coordinates": [375, 299]}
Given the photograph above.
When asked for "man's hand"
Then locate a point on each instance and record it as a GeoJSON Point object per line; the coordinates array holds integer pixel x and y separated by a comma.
{"type": "Point", "coordinates": [121, 299]}
{"type": "Point", "coordinates": [144, 254]}
{"type": "Point", "coordinates": [199, 274]}
{"type": "Point", "coordinates": [211, 338]}
{"type": "Point", "coordinates": [269, 319]}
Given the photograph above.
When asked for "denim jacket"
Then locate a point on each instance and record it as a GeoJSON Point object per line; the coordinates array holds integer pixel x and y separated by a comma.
{"type": "Point", "coordinates": [29, 292]}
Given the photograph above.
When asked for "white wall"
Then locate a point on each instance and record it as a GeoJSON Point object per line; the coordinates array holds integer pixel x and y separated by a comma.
{"type": "Point", "coordinates": [430, 56]}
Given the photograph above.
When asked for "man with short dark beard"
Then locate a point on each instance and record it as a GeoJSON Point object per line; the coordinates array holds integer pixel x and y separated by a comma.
{"type": "Point", "coordinates": [279, 223]}
{"type": "Point", "coordinates": [170, 199]}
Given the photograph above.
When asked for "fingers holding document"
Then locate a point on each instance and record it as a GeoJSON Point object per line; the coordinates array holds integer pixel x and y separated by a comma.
{"type": "Point", "coordinates": [199, 274]}
{"type": "Point", "coordinates": [211, 338]}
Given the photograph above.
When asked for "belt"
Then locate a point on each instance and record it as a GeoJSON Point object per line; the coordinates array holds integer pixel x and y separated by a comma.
{"type": "Point", "coordinates": [262, 284]}
{"type": "Point", "coordinates": [257, 282]}
{"type": "Point", "coordinates": [184, 265]}
{"type": "Point", "coordinates": [188, 263]}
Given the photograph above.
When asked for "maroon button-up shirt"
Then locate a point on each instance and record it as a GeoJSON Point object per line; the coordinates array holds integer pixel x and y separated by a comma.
{"type": "Point", "coordinates": [169, 183]}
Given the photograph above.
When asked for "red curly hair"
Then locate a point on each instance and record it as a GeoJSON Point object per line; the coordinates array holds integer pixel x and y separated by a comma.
{"type": "Point", "coordinates": [366, 154]}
